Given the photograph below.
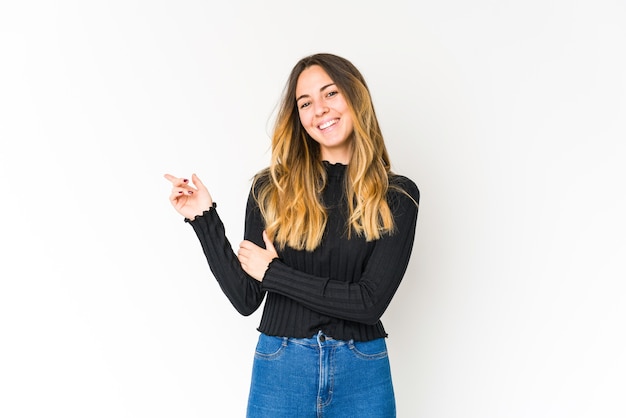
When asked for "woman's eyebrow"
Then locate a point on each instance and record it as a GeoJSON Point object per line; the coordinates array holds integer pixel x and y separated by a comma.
{"type": "Point", "coordinates": [321, 89]}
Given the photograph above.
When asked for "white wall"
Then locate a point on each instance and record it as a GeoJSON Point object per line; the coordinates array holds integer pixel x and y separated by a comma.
{"type": "Point", "coordinates": [509, 116]}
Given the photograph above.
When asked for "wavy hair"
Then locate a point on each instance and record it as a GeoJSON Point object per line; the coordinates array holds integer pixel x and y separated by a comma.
{"type": "Point", "coordinates": [288, 191]}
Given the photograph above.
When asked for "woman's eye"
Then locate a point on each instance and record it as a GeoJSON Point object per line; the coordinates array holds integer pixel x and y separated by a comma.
{"type": "Point", "coordinates": [332, 93]}
{"type": "Point", "coordinates": [305, 104]}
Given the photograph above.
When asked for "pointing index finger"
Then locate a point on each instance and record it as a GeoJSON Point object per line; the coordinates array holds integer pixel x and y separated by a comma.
{"type": "Point", "coordinates": [176, 181]}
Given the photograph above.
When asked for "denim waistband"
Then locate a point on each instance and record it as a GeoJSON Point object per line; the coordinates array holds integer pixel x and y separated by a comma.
{"type": "Point", "coordinates": [319, 339]}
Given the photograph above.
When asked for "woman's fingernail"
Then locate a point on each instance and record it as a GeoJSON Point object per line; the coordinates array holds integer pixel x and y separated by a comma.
{"type": "Point", "coordinates": [190, 192]}
{"type": "Point", "coordinates": [186, 180]}
{"type": "Point", "coordinates": [180, 192]}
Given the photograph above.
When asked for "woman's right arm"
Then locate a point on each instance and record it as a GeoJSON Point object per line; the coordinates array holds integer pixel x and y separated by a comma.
{"type": "Point", "coordinates": [196, 205]}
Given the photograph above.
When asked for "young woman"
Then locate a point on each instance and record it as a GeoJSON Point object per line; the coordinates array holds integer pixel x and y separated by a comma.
{"type": "Point", "coordinates": [328, 235]}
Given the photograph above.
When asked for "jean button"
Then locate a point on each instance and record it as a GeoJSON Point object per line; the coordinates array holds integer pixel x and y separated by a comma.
{"type": "Point", "coordinates": [322, 338]}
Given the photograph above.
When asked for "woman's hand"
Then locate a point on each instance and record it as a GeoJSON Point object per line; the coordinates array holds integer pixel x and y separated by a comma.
{"type": "Point", "coordinates": [187, 200]}
{"type": "Point", "coordinates": [254, 259]}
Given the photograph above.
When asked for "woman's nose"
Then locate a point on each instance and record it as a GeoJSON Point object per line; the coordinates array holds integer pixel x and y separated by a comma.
{"type": "Point", "coordinates": [320, 109]}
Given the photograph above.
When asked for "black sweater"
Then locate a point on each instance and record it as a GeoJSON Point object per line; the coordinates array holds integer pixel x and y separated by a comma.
{"type": "Point", "coordinates": [342, 287]}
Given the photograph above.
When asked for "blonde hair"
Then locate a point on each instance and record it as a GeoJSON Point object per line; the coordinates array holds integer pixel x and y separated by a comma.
{"type": "Point", "coordinates": [288, 191]}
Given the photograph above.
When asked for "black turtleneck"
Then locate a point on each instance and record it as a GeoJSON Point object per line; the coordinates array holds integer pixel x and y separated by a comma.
{"type": "Point", "coordinates": [342, 287]}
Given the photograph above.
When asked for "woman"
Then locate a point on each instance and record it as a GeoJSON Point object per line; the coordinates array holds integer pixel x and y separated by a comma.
{"type": "Point", "coordinates": [328, 235]}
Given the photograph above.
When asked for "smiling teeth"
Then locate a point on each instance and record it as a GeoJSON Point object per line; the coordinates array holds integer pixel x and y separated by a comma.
{"type": "Point", "coordinates": [328, 124]}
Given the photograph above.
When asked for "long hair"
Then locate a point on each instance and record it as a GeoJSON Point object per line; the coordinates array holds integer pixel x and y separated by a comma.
{"type": "Point", "coordinates": [288, 191]}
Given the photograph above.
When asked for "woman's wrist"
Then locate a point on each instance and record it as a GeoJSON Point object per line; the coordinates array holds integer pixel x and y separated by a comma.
{"type": "Point", "coordinates": [202, 213]}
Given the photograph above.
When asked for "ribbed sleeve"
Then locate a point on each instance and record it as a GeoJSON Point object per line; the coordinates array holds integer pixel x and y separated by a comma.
{"type": "Point", "coordinates": [364, 295]}
{"type": "Point", "coordinates": [242, 290]}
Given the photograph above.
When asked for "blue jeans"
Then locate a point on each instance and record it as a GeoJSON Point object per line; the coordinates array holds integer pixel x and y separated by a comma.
{"type": "Point", "coordinates": [320, 377]}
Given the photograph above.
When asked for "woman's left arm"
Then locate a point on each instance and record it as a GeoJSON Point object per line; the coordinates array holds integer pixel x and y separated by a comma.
{"type": "Point", "coordinates": [366, 299]}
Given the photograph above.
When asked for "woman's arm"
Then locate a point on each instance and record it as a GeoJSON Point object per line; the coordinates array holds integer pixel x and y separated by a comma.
{"type": "Point", "coordinates": [196, 205]}
{"type": "Point", "coordinates": [366, 299]}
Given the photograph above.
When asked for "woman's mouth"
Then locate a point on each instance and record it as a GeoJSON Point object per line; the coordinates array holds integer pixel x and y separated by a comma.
{"type": "Point", "coordinates": [327, 124]}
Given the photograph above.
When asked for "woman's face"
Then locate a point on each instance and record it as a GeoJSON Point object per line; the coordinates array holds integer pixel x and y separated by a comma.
{"type": "Point", "coordinates": [324, 114]}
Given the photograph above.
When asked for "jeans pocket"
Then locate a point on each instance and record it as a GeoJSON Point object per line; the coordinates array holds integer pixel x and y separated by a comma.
{"type": "Point", "coordinates": [270, 348]}
{"type": "Point", "coordinates": [369, 350]}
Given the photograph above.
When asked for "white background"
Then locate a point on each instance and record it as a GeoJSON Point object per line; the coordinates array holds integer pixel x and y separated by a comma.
{"type": "Point", "coordinates": [509, 115]}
